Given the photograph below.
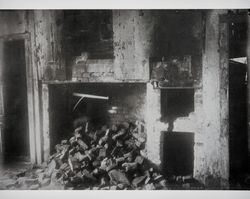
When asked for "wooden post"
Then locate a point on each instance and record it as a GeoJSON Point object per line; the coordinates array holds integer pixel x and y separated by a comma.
{"type": "Point", "coordinates": [45, 113]}
{"type": "Point", "coordinates": [34, 74]}
{"type": "Point", "coordinates": [1, 101]}
{"type": "Point", "coordinates": [29, 75]}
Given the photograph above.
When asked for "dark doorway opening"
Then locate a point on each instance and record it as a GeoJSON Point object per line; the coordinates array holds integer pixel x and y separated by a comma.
{"type": "Point", "coordinates": [16, 135]}
{"type": "Point", "coordinates": [178, 153]}
{"type": "Point", "coordinates": [238, 135]}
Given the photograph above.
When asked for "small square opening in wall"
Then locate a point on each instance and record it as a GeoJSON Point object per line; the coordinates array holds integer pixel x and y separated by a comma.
{"type": "Point", "coordinates": [176, 103]}
{"type": "Point", "coordinates": [177, 153]}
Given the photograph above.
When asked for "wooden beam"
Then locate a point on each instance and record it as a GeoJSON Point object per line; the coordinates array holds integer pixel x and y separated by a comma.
{"type": "Point", "coordinates": [30, 102]}
{"type": "Point", "coordinates": [45, 123]}
{"type": "Point", "coordinates": [1, 100]}
{"type": "Point", "coordinates": [35, 85]}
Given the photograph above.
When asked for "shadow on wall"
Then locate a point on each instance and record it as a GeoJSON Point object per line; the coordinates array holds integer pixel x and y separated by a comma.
{"type": "Point", "coordinates": [176, 103]}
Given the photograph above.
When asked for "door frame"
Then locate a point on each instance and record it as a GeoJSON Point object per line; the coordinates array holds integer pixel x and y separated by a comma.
{"type": "Point", "coordinates": [30, 91]}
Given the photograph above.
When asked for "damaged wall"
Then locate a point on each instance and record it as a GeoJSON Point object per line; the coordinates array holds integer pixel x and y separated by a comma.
{"type": "Point", "coordinates": [132, 42]}
{"type": "Point", "coordinates": [135, 43]}
{"type": "Point", "coordinates": [41, 33]}
{"type": "Point", "coordinates": [133, 31]}
{"type": "Point", "coordinates": [49, 54]}
{"type": "Point", "coordinates": [44, 28]}
{"type": "Point", "coordinates": [209, 121]}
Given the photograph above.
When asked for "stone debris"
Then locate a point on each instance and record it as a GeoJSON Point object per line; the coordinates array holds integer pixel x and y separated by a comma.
{"type": "Point", "coordinates": [108, 158]}
{"type": "Point", "coordinates": [34, 187]}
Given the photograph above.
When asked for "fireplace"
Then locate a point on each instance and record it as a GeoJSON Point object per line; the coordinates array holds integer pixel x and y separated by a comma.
{"type": "Point", "coordinates": [126, 103]}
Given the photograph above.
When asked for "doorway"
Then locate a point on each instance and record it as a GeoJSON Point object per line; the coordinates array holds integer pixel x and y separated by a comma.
{"type": "Point", "coordinates": [16, 127]}
{"type": "Point", "coordinates": [238, 134]}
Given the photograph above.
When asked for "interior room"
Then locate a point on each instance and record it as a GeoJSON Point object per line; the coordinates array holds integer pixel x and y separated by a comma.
{"type": "Point", "coordinates": [124, 99]}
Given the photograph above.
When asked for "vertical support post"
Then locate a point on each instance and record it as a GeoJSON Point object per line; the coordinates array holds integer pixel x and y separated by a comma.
{"type": "Point", "coordinates": [1, 100]}
{"type": "Point", "coordinates": [153, 114]}
{"type": "Point", "coordinates": [29, 75]}
{"type": "Point", "coordinates": [34, 74]}
{"type": "Point", "coordinates": [45, 123]}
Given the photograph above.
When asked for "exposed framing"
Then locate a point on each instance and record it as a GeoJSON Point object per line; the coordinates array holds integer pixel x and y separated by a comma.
{"type": "Point", "coordinates": [45, 118]}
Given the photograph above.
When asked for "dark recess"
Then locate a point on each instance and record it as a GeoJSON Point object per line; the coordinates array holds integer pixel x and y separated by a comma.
{"type": "Point", "coordinates": [178, 153]}
{"type": "Point", "coordinates": [16, 136]}
{"type": "Point", "coordinates": [126, 96]}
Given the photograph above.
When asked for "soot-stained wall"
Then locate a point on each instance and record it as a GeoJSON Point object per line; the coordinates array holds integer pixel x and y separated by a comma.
{"type": "Point", "coordinates": [128, 98]}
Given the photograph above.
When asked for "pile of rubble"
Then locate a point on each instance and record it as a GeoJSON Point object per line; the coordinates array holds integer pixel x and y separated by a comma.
{"type": "Point", "coordinates": [98, 159]}
{"type": "Point", "coordinates": [109, 158]}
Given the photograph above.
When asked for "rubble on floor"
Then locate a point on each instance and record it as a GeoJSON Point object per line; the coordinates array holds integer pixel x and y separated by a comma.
{"type": "Point", "coordinates": [104, 159]}
{"type": "Point", "coordinates": [108, 158]}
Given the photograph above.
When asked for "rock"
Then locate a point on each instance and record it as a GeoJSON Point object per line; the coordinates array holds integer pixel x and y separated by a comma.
{"type": "Point", "coordinates": [45, 182]}
{"type": "Point", "coordinates": [41, 177]}
{"type": "Point", "coordinates": [63, 142]}
{"type": "Point", "coordinates": [2, 178]}
{"type": "Point", "coordinates": [82, 144]}
{"type": "Point", "coordinates": [150, 186]}
{"type": "Point", "coordinates": [31, 181]}
{"type": "Point", "coordinates": [158, 178]}
{"type": "Point", "coordinates": [23, 187]}
{"type": "Point", "coordinates": [2, 186]}
{"type": "Point", "coordinates": [64, 166]}
{"type": "Point", "coordinates": [74, 163]}
{"type": "Point", "coordinates": [120, 186]}
{"type": "Point", "coordinates": [22, 180]}
{"type": "Point", "coordinates": [104, 188]}
{"type": "Point", "coordinates": [117, 176]}
{"type": "Point", "coordinates": [39, 171]}
{"type": "Point", "coordinates": [34, 187]}
{"type": "Point", "coordinates": [88, 175]}
{"type": "Point", "coordinates": [21, 174]}
{"type": "Point", "coordinates": [9, 183]}
{"type": "Point", "coordinates": [138, 180]}
{"type": "Point", "coordinates": [139, 159]}
{"type": "Point", "coordinates": [186, 186]}
{"type": "Point", "coordinates": [161, 185]}
{"type": "Point", "coordinates": [113, 188]}
{"type": "Point", "coordinates": [44, 164]}
{"type": "Point", "coordinates": [51, 167]}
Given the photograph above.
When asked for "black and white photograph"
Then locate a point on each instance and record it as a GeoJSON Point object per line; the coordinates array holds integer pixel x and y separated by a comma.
{"type": "Point", "coordinates": [124, 99]}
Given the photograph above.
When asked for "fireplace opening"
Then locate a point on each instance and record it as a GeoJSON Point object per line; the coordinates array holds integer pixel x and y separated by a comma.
{"type": "Point", "coordinates": [125, 103]}
{"type": "Point", "coordinates": [177, 153]}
